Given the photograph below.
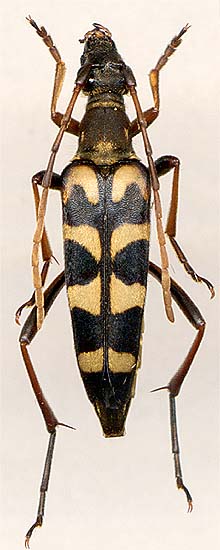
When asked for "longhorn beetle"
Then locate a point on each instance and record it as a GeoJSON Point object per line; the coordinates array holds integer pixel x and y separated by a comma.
{"type": "Point", "coordinates": [106, 194]}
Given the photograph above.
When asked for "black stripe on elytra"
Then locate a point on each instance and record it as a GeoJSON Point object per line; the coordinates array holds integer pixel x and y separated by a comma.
{"type": "Point", "coordinates": [81, 266]}
{"type": "Point", "coordinates": [132, 208]}
{"type": "Point", "coordinates": [130, 265]}
{"type": "Point", "coordinates": [88, 331]}
{"type": "Point", "coordinates": [79, 210]}
{"type": "Point", "coordinates": [124, 331]}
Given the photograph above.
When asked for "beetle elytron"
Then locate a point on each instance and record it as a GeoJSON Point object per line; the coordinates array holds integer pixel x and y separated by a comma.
{"type": "Point", "coordinates": [106, 193]}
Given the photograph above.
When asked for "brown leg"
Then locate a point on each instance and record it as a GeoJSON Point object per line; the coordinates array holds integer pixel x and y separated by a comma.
{"type": "Point", "coordinates": [164, 165]}
{"type": "Point", "coordinates": [31, 301]}
{"type": "Point", "coordinates": [43, 488]}
{"type": "Point", "coordinates": [194, 316]}
{"type": "Point", "coordinates": [151, 114]}
{"type": "Point", "coordinates": [73, 125]}
{"type": "Point", "coordinates": [28, 332]}
{"type": "Point", "coordinates": [47, 255]}
{"type": "Point", "coordinates": [45, 245]}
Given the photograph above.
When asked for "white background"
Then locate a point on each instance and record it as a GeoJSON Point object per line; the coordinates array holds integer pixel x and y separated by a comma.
{"type": "Point", "coordinates": [116, 493]}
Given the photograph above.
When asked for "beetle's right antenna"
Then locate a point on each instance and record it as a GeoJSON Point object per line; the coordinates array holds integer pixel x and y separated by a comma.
{"type": "Point", "coordinates": [154, 80]}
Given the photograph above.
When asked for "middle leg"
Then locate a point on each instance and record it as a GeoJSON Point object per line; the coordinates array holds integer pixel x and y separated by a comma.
{"type": "Point", "coordinates": [164, 165]}
{"type": "Point", "coordinates": [47, 254]}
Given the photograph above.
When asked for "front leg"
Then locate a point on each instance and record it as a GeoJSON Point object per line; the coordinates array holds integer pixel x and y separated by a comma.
{"type": "Point", "coordinates": [151, 114]}
{"type": "Point", "coordinates": [73, 125]}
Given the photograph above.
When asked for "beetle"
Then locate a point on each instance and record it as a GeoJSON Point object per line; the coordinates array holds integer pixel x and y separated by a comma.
{"type": "Point", "coordinates": [106, 198]}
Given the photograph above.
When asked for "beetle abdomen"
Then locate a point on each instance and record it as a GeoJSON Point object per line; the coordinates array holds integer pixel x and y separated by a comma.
{"type": "Point", "coordinates": [106, 243]}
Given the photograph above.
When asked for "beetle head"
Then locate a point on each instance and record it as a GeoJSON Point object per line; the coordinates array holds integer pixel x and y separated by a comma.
{"type": "Point", "coordinates": [107, 66]}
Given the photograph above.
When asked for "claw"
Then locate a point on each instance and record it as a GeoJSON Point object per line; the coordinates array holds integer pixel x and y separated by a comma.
{"type": "Point", "coordinates": [184, 29]}
{"type": "Point", "coordinates": [210, 287]}
{"type": "Point", "coordinates": [18, 313]}
{"type": "Point", "coordinates": [190, 506]}
{"type": "Point", "coordinates": [27, 545]}
{"type": "Point", "coordinates": [180, 485]}
{"type": "Point", "coordinates": [32, 22]}
{"type": "Point", "coordinates": [37, 523]}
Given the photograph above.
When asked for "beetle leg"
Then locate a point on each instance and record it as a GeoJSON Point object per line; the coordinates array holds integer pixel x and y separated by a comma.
{"type": "Point", "coordinates": [31, 301]}
{"type": "Point", "coordinates": [43, 488]}
{"type": "Point", "coordinates": [47, 254]}
{"type": "Point", "coordinates": [56, 183]}
{"type": "Point", "coordinates": [151, 114]}
{"type": "Point", "coordinates": [28, 332]}
{"type": "Point", "coordinates": [45, 245]}
{"type": "Point", "coordinates": [194, 316]}
{"type": "Point", "coordinates": [73, 125]}
{"type": "Point", "coordinates": [163, 165]}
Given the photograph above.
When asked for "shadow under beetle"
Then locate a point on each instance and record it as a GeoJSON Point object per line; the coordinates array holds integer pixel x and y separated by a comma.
{"type": "Point", "coordinates": [106, 193]}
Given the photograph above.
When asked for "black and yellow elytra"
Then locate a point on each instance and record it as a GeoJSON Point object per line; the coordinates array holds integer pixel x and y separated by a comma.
{"type": "Point", "coordinates": [106, 242]}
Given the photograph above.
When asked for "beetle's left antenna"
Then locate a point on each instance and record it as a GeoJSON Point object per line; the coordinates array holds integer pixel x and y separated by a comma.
{"type": "Point", "coordinates": [37, 239]}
